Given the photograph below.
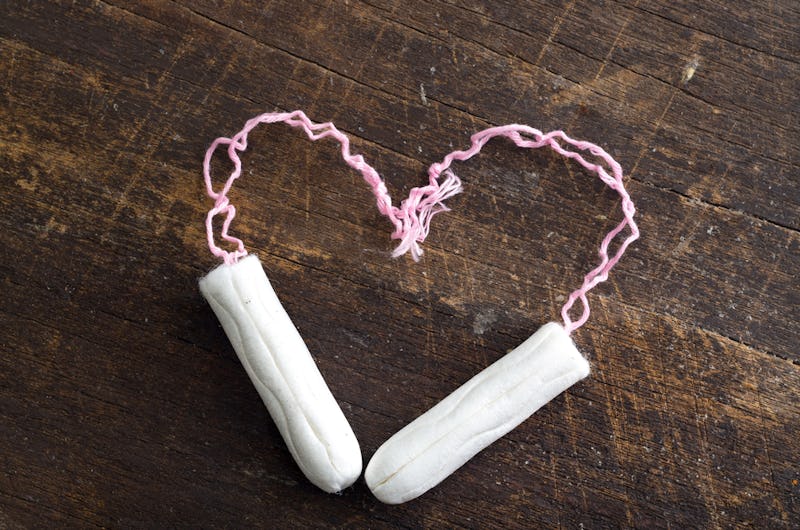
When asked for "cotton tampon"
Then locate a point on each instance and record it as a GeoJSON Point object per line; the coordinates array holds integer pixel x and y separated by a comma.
{"type": "Point", "coordinates": [284, 373]}
{"type": "Point", "coordinates": [482, 410]}
{"type": "Point", "coordinates": [497, 399]}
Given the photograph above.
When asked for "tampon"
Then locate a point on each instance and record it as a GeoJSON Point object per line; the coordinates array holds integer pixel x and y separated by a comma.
{"type": "Point", "coordinates": [282, 370]}
{"type": "Point", "coordinates": [483, 409]}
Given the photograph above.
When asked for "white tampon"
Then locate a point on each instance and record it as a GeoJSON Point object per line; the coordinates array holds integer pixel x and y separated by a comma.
{"type": "Point", "coordinates": [486, 407]}
{"type": "Point", "coordinates": [282, 370]}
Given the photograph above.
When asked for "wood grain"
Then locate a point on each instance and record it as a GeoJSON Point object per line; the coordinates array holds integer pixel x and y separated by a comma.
{"type": "Point", "coordinates": [122, 403]}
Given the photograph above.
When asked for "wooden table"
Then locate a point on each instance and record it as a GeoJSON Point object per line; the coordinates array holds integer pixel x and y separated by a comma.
{"type": "Point", "coordinates": [122, 403]}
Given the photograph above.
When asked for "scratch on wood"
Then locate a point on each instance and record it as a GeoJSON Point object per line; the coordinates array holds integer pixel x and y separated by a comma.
{"type": "Point", "coordinates": [656, 126]}
{"type": "Point", "coordinates": [429, 324]}
{"type": "Point", "coordinates": [573, 428]}
{"type": "Point", "coordinates": [379, 35]}
{"type": "Point", "coordinates": [554, 31]}
{"type": "Point", "coordinates": [764, 430]}
{"type": "Point", "coordinates": [224, 71]}
{"type": "Point", "coordinates": [470, 279]}
{"type": "Point", "coordinates": [617, 434]}
{"type": "Point", "coordinates": [27, 185]}
{"type": "Point", "coordinates": [708, 499]}
{"type": "Point", "coordinates": [139, 125]}
{"type": "Point", "coordinates": [614, 43]}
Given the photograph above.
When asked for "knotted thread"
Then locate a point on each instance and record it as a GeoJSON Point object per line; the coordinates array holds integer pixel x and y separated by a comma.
{"type": "Point", "coordinates": [412, 218]}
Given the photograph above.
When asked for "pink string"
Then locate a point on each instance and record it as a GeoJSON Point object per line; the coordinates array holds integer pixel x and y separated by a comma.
{"type": "Point", "coordinates": [600, 273]}
{"type": "Point", "coordinates": [411, 220]}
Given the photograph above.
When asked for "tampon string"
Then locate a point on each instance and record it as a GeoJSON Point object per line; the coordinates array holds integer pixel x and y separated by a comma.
{"type": "Point", "coordinates": [514, 132]}
{"type": "Point", "coordinates": [411, 220]}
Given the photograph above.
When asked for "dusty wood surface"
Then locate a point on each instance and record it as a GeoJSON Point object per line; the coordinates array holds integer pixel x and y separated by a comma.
{"type": "Point", "coordinates": [122, 403]}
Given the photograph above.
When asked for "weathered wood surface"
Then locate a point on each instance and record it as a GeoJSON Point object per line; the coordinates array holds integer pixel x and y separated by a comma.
{"type": "Point", "coordinates": [121, 401]}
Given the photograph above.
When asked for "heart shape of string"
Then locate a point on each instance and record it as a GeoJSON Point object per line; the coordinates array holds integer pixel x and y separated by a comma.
{"type": "Point", "coordinates": [412, 218]}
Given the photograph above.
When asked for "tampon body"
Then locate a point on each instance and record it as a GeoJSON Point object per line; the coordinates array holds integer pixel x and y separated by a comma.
{"type": "Point", "coordinates": [282, 370]}
{"type": "Point", "coordinates": [483, 409]}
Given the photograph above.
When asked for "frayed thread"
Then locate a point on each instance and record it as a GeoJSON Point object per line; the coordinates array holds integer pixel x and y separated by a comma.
{"type": "Point", "coordinates": [412, 218]}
